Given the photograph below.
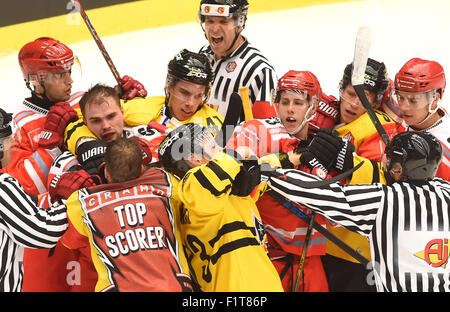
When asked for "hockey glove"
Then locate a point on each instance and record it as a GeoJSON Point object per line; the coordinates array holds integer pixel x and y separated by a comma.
{"type": "Point", "coordinates": [247, 179]}
{"type": "Point", "coordinates": [63, 185]}
{"type": "Point", "coordinates": [129, 88]}
{"type": "Point", "coordinates": [90, 155]}
{"type": "Point", "coordinates": [146, 151]}
{"type": "Point", "coordinates": [322, 150]}
{"type": "Point", "coordinates": [344, 159]}
{"type": "Point", "coordinates": [55, 124]}
{"type": "Point", "coordinates": [326, 115]}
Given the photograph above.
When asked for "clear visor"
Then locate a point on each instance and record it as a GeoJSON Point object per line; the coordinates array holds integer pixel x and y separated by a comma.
{"type": "Point", "coordinates": [70, 72]}
{"type": "Point", "coordinates": [415, 100]}
{"type": "Point", "coordinates": [353, 99]}
{"type": "Point", "coordinates": [189, 98]}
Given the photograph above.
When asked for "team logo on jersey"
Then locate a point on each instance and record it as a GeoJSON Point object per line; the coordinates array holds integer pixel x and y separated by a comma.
{"type": "Point", "coordinates": [231, 66]}
{"type": "Point", "coordinates": [436, 253]}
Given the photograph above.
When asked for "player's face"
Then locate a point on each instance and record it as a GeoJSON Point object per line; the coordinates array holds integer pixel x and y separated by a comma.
{"type": "Point", "coordinates": [58, 85]}
{"type": "Point", "coordinates": [185, 98]}
{"type": "Point", "coordinates": [413, 106]}
{"type": "Point", "coordinates": [292, 109]}
{"type": "Point", "coordinates": [105, 118]}
{"type": "Point", "coordinates": [351, 107]}
{"type": "Point", "coordinates": [8, 144]}
{"type": "Point", "coordinates": [220, 32]}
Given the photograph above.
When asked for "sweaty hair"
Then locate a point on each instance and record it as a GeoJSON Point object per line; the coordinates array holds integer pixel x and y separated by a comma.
{"type": "Point", "coordinates": [123, 160]}
{"type": "Point", "coordinates": [97, 94]}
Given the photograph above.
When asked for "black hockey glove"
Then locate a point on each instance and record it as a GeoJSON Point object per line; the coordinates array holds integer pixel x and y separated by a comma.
{"type": "Point", "coordinates": [344, 159]}
{"type": "Point", "coordinates": [247, 179]}
{"type": "Point", "coordinates": [322, 150]}
{"type": "Point", "coordinates": [90, 155]}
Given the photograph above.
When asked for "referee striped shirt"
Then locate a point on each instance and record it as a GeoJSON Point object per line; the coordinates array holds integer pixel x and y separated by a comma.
{"type": "Point", "coordinates": [408, 226]}
{"type": "Point", "coordinates": [244, 67]}
{"type": "Point", "coordinates": [23, 224]}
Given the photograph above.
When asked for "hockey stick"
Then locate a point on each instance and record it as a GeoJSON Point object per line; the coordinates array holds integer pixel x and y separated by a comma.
{"type": "Point", "coordinates": [246, 103]}
{"type": "Point", "coordinates": [98, 42]}
{"type": "Point", "coordinates": [301, 263]}
{"type": "Point", "coordinates": [319, 228]}
{"type": "Point", "coordinates": [360, 56]}
{"type": "Point", "coordinates": [312, 184]}
{"type": "Point", "coordinates": [231, 119]}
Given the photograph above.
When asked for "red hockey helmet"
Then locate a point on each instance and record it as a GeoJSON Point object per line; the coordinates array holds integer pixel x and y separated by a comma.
{"type": "Point", "coordinates": [299, 81]}
{"type": "Point", "coordinates": [419, 75]}
{"type": "Point", "coordinates": [44, 55]}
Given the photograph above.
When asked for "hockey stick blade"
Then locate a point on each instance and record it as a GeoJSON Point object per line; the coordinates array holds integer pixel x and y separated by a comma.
{"type": "Point", "coordinates": [231, 119]}
{"type": "Point", "coordinates": [313, 184]}
{"type": "Point", "coordinates": [360, 57]}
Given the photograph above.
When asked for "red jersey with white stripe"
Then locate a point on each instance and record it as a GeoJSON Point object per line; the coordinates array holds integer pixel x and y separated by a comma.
{"type": "Point", "coordinates": [441, 130]}
{"type": "Point", "coordinates": [31, 164]}
{"type": "Point", "coordinates": [286, 230]}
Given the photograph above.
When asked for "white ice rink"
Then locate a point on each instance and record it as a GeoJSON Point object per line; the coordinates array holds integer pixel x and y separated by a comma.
{"type": "Point", "coordinates": [317, 38]}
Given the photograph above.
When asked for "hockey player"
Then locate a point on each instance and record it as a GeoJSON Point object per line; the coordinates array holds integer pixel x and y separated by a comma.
{"type": "Point", "coordinates": [405, 221]}
{"type": "Point", "coordinates": [353, 123]}
{"type": "Point", "coordinates": [236, 63]}
{"type": "Point", "coordinates": [220, 225]}
{"type": "Point", "coordinates": [44, 273]}
{"type": "Point", "coordinates": [188, 83]}
{"type": "Point", "coordinates": [46, 66]}
{"type": "Point", "coordinates": [419, 88]}
{"type": "Point", "coordinates": [297, 97]}
{"type": "Point", "coordinates": [130, 238]}
{"type": "Point", "coordinates": [23, 224]}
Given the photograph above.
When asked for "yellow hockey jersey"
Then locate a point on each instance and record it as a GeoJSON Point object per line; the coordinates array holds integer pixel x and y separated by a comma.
{"type": "Point", "coordinates": [222, 234]}
{"type": "Point", "coordinates": [140, 111]}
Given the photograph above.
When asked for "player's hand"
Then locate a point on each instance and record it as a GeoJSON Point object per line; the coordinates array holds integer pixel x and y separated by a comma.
{"type": "Point", "coordinates": [322, 150]}
{"type": "Point", "coordinates": [130, 88]}
{"type": "Point", "coordinates": [63, 185]}
{"type": "Point", "coordinates": [55, 124]}
{"type": "Point", "coordinates": [326, 115]}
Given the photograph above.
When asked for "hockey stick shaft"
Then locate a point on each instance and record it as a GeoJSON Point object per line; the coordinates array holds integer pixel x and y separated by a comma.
{"type": "Point", "coordinates": [246, 103]}
{"type": "Point", "coordinates": [301, 262]}
{"type": "Point", "coordinates": [319, 228]}
{"type": "Point", "coordinates": [360, 57]}
{"type": "Point", "coordinates": [99, 42]}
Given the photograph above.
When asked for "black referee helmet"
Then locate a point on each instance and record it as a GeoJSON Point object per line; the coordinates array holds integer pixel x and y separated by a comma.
{"type": "Point", "coordinates": [419, 154]}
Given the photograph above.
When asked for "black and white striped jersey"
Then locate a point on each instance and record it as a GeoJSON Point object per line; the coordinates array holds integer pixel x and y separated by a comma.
{"type": "Point", "coordinates": [23, 224]}
{"type": "Point", "coordinates": [244, 67]}
{"type": "Point", "coordinates": [408, 226]}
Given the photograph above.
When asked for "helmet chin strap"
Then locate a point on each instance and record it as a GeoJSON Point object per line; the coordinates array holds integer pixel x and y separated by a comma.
{"type": "Point", "coordinates": [305, 120]}
{"type": "Point", "coordinates": [430, 111]}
